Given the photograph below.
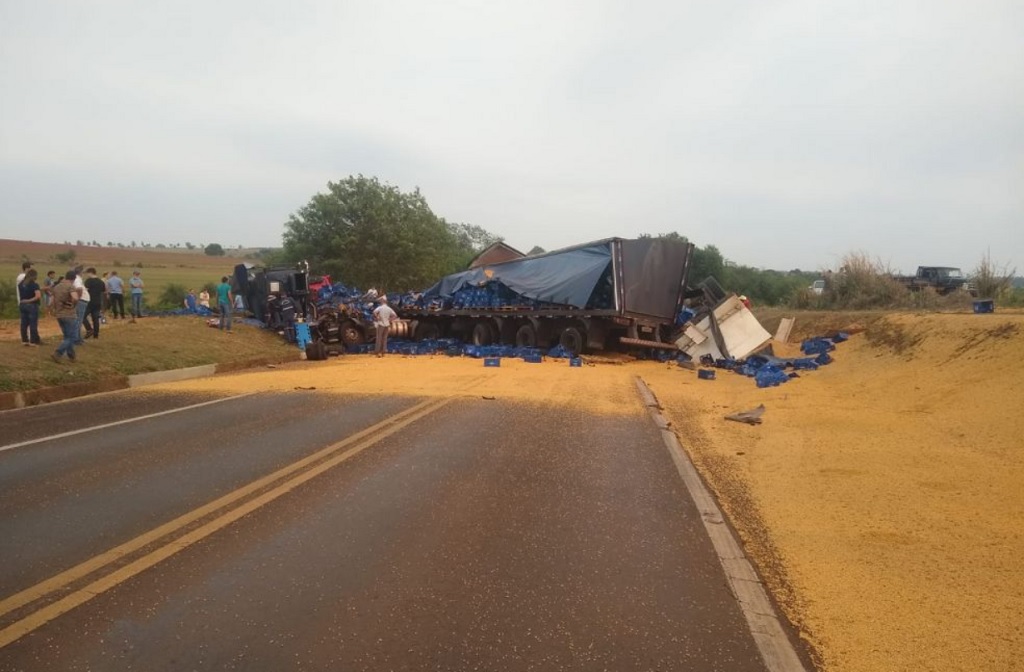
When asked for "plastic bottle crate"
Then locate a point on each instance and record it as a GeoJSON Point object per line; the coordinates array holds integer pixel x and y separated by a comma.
{"type": "Point", "coordinates": [706, 374]}
{"type": "Point", "coordinates": [985, 306]}
{"type": "Point", "coordinates": [575, 361]}
{"type": "Point", "coordinates": [492, 361]}
{"type": "Point", "coordinates": [532, 359]}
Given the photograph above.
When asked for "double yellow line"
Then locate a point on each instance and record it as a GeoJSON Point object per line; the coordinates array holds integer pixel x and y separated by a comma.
{"type": "Point", "coordinates": [238, 503]}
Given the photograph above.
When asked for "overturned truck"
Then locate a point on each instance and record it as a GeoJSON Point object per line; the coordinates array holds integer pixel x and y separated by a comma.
{"type": "Point", "coordinates": [586, 297]}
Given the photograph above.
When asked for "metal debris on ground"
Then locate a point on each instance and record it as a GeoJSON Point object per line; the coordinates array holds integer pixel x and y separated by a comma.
{"type": "Point", "coordinates": [751, 417]}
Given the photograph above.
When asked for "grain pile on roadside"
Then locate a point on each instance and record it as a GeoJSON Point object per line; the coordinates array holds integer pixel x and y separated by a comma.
{"type": "Point", "coordinates": [882, 495]}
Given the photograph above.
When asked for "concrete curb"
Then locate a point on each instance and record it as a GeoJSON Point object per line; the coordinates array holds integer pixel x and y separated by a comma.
{"type": "Point", "coordinates": [171, 376]}
{"type": "Point", "coordinates": [777, 652]}
{"type": "Point", "coordinates": [47, 395]}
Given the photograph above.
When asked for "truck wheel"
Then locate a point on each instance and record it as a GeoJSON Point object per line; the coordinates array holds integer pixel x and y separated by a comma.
{"type": "Point", "coordinates": [316, 351]}
{"type": "Point", "coordinates": [482, 334]}
{"type": "Point", "coordinates": [573, 340]}
{"type": "Point", "coordinates": [427, 331]}
{"type": "Point", "coordinates": [526, 336]}
{"type": "Point", "coordinates": [351, 334]}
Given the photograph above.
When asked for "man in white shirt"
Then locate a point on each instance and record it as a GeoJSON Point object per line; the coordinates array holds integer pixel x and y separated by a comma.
{"type": "Point", "coordinates": [82, 307]}
{"type": "Point", "coordinates": [382, 318]}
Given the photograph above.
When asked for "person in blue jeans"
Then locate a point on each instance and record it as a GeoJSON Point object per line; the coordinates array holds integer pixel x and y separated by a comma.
{"type": "Point", "coordinates": [65, 302]}
{"type": "Point", "coordinates": [29, 298]}
{"type": "Point", "coordinates": [136, 285]}
{"type": "Point", "coordinates": [224, 300]}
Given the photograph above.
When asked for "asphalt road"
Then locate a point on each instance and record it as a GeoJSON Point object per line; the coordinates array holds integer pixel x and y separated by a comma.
{"type": "Point", "coordinates": [472, 535]}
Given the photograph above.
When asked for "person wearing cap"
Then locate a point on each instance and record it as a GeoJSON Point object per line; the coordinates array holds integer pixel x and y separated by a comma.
{"type": "Point", "coordinates": [382, 318]}
{"type": "Point", "coordinates": [745, 301]}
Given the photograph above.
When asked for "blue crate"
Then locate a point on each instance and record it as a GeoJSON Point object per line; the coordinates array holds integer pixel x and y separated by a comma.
{"type": "Point", "coordinates": [575, 361]}
{"type": "Point", "coordinates": [985, 306]}
{"type": "Point", "coordinates": [706, 374]}
{"type": "Point", "coordinates": [492, 361]}
{"type": "Point", "coordinates": [532, 359]}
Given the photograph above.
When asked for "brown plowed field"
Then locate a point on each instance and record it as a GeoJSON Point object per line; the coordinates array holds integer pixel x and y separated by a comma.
{"type": "Point", "coordinates": [14, 251]}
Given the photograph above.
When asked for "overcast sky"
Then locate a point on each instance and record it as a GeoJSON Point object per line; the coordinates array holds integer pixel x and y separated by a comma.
{"type": "Point", "coordinates": [786, 133]}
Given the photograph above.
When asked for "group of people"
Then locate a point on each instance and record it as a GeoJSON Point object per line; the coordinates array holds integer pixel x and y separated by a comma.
{"type": "Point", "coordinates": [227, 301]}
{"type": "Point", "coordinates": [77, 299]}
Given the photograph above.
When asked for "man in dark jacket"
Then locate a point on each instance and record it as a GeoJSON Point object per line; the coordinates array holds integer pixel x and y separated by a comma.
{"type": "Point", "coordinates": [96, 288]}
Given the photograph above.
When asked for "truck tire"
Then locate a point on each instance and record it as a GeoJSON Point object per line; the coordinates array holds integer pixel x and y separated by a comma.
{"type": "Point", "coordinates": [526, 336]}
{"type": "Point", "coordinates": [573, 340]}
{"type": "Point", "coordinates": [352, 334]}
{"type": "Point", "coordinates": [483, 334]}
{"type": "Point", "coordinates": [427, 331]}
{"type": "Point", "coordinates": [316, 351]}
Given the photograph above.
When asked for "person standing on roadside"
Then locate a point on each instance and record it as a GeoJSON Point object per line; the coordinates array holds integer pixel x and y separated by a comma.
{"type": "Point", "coordinates": [83, 305]}
{"type": "Point", "coordinates": [382, 318]}
{"type": "Point", "coordinates": [136, 284]}
{"type": "Point", "coordinates": [65, 302]}
{"type": "Point", "coordinates": [105, 306]}
{"type": "Point", "coordinates": [96, 288]}
{"type": "Point", "coordinates": [48, 283]}
{"type": "Point", "coordinates": [115, 290]}
{"type": "Point", "coordinates": [224, 300]}
{"type": "Point", "coordinates": [29, 299]}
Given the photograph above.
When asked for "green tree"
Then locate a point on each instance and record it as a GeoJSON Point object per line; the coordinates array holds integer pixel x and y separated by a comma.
{"type": "Point", "coordinates": [214, 250]}
{"type": "Point", "coordinates": [66, 257]}
{"type": "Point", "coordinates": [371, 234]}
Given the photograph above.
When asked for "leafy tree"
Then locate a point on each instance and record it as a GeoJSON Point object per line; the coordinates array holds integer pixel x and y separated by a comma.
{"type": "Point", "coordinates": [371, 234]}
{"type": "Point", "coordinates": [214, 250]}
{"type": "Point", "coordinates": [66, 257]}
{"type": "Point", "coordinates": [536, 249]}
{"type": "Point", "coordinates": [190, 246]}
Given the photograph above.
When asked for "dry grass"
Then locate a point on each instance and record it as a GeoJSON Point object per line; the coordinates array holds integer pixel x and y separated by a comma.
{"type": "Point", "coordinates": [993, 281]}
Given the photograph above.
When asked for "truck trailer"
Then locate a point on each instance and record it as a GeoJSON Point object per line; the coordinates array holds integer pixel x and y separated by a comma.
{"type": "Point", "coordinates": [585, 297]}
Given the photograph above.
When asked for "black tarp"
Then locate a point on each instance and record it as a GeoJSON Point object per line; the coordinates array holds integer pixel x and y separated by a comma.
{"type": "Point", "coordinates": [567, 277]}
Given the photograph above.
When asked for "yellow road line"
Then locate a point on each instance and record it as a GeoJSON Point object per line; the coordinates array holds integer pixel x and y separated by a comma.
{"type": "Point", "coordinates": [55, 583]}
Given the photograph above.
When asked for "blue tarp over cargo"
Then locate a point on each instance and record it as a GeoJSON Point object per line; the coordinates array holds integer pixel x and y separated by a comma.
{"type": "Point", "coordinates": [568, 278]}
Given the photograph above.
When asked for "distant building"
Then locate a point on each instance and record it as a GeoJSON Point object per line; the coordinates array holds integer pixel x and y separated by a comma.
{"type": "Point", "coordinates": [495, 254]}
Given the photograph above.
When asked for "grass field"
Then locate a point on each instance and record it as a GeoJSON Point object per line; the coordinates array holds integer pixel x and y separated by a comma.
{"type": "Point", "coordinates": [125, 348]}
